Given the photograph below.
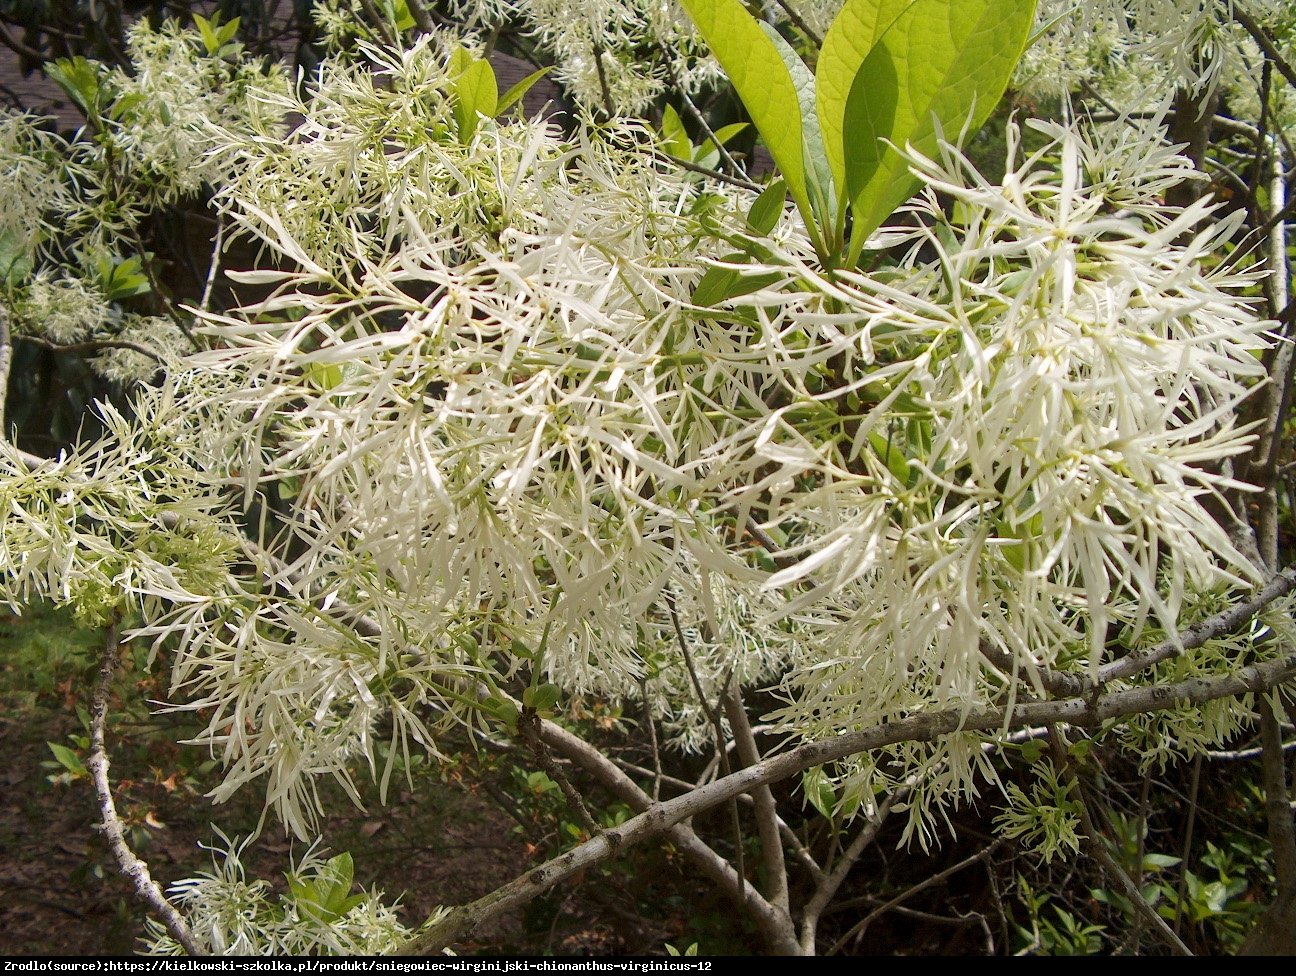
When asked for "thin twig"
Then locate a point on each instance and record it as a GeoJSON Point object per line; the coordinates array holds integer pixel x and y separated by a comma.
{"type": "Point", "coordinates": [1277, 808]}
{"type": "Point", "coordinates": [1098, 849]}
{"type": "Point", "coordinates": [602, 80]}
{"type": "Point", "coordinates": [827, 889]}
{"type": "Point", "coordinates": [712, 173]}
{"type": "Point", "coordinates": [92, 345]}
{"type": "Point", "coordinates": [722, 753]}
{"type": "Point", "coordinates": [862, 925]}
{"type": "Point", "coordinates": [1198, 634]}
{"type": "Point", "coordinates": [1264, 41]}
{"type": "Point", "coordinates": [799, 22]}
{"type": "Point", "coordinates": [131, 867]}
{"type": "Point", "coordinates": [691, 110]}
{"type": "Point", "coordinates": [6, 361]}
{"type": "Point", "coordinates": [213, 269]}
{"type": "Point", "coordinates": [529, 729]}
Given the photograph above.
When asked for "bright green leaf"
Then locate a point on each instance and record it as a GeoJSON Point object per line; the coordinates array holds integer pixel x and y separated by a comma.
{"type": "Point", "coordinates": [757, 72]}
{"type": "Point", "coordinates": [80, 79]}
{"type": "Point", "coordinates": [516, 93]}
{"type": "Point", "coordinates": [68, 759]}
{"type": "Point", "coordinates": [541, 697]}
{"type": "Point", "coordinates": [850, 38]}
{"type": "Point", "coordinates": [675, 140]}
{"type": "Point", "coordinates": [767, 209]}
{"type": "Point", "coordinates": [942, 64]}
{"type": "Point", "coordinates": [210, 41]}
{"type": "Point", "coordinates": [719, 284]}
{"type": "Point", "coordinates": [819, 180]}
{"type": "Point", "coordinates": [476, 94]}
{"type": "Point", "coordinates": [727, 132]}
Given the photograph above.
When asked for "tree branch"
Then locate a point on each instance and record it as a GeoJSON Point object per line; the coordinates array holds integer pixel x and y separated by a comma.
{"type": "Point", "coordinates": [1277, 808]}
{"type": "Point", "coordinates": [859, 927]}
{"type": "Point", "coordinates": [827, 889]}
{"type": "Point", "coordinates": [766, 809]}
{"type": "Point", "coordinates": [1264, 41]}
{"type": "Point", "coordinates": [661, 817]}
{"type": "Point", "coordinates": [131, 867]}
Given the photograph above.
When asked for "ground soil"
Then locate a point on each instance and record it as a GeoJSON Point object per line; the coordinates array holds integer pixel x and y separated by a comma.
{"type": "Point", "coordinates": [63, 897]}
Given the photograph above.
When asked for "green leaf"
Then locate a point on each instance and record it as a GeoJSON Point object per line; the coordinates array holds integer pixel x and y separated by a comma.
{"type": "Point", "coordinates": [762, 81]}
{"type": "Point", "coordinates": [460, 61]}
{"type": "Point", "coordinates": [123, 279]}
{"type": "Point", "coordinates": [503, 710]}
{"type": "Point", "coordinates": [890, 455]}
{"type": "Point", "coordinates": [850, 38]}
{"type": "Point", "coordinates": [767, 209]}
{"type": "Point", "coordinates": [541, 697]}
{"type": "Point", "coordinates": [476, 94]}
{"type": "Point", "coordinates": [819, 791]}
{"type": "Point", "coordinates": [675, 140]}
{"type": "Point", "coordinates": [1031, 750]}
{"type": "Point", "coordinates": [941, 65]}
{"type": "Point", "coordinates": [400, 15]}
{"type": "Point", "coordinates": [324, 376]}
{"type": "Point", "coordinates": [68, 759]}
{"type": "Point", "coordinates": [819, 179]}
{"type": "Point", "coordinates": [727, 132]}
{"type": "Point", "coordinates": [210, 41]}
{"type": "Point", "coordinates": [16, 263]}
{"type": "Point", "coordinates": [80, 79]}
{"type": "Point", "coordinates": [718, 284]}
{"type": "Point", "coordinates": [516, 93]}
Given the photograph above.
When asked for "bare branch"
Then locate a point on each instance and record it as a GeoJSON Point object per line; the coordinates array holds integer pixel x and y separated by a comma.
{"type": "Point", "coordinates": [859, 927]}
{"type": "Point", "coordinates": [131, 867]}
{"type": "Point", "coordinates": [1198, 634]}
{"type": "Point", "coordinates": [1277, 808]}
{"type": "Point", "coordinates": [766, 809]}
{"type": "Point", "coordinates": [1264, 41]}
{"type": "Point", "coordinates": [92, 345]}
{"type": "Point", "coordinates": [827, 889]}
{"type": "Point", "coordinates": [660, 817]}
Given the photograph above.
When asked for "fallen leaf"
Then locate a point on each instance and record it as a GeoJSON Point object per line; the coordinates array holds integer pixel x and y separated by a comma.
{"type": "Point", "coordinates": [371, 827]}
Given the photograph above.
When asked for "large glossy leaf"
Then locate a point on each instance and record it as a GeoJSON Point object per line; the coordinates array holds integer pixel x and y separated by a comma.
{"type": "Point", "coordinates": [941, 64]}
{"type": "Point", "coordinates": [850, 39]}
{"type": "Point", "coordinates": [757, 72]}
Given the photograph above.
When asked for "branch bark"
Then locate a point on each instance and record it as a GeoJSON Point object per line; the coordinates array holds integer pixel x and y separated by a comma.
{"type": "Point", "coordinates": [766, 809]}
{"type": "Point", "coordinates": [129, 865]}
{"type": "Point", "coordinates": [659, 818]}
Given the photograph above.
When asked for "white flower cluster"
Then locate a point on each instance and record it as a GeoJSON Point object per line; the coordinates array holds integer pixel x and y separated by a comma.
{"type": "Point", "coordinates": [1136, 51]}
{"type": "Point", "coordinates": [230, 915]}
{"type": "Point", "coordinates": [63, 310]}
{"type": "Point", "coordinates": [33, 191]}
{"type": "Point", "coordinates": [1049, 440]}
{"type": "Point", "coordinates": [170, 100]}
{"type": "Point", "coordinates": [481, 418]}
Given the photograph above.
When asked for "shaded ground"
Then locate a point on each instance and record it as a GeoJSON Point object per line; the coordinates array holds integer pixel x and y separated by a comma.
{"type": "Point", "coordinates": [445, 845]}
